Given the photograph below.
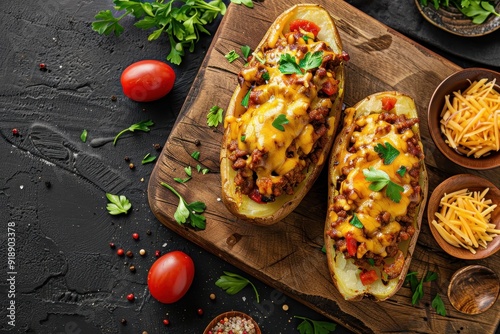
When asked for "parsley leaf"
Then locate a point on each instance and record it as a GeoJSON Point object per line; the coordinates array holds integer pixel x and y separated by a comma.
{"type": "Point", "coordinates": [195, 155]}
{"type": "Point", "coordinates": [380, 179]}
{"type": "Point", "coordinates": [438, 305]}
{"type": "Point", "coordinates": [231, 56]}
{"type": "Point", "coordinates": [356, 222]}
{"type": "Point", "coordinates": [288, 64]}
{"type": "Point", "coordinates": [311, 60]}
{"type": "Point", "coordinates": [191, 212]}
{"type": "Point", "coordinates": [309, 326]}
{"type": "Point", "coordinates": [401, 171]}
{"type": "Point", "coordinates": [388, 152]}
{"type": "Point", "coordinates": [233, 283]}
{"type": "Point", "coordinates": [266, 76]}
{"type": "Point", "coordinates": [141, 126]}
{"type": "Point", "coordinates": [148, 158]}
{"type": "Point", "coordinates": [214, 116]}
{"type": "Point", "coordinates": [83, 136]}
{"type": "Point", "coordinates": [417, 286]}
{"type": "Point", "coordinates": [246, 99]}
{"type": "Point", "coordinates": [280, 121]}
{"type": "Point", "coordinates": [117, 204]}
{"type": "Point", "coordinates": [182, 24]}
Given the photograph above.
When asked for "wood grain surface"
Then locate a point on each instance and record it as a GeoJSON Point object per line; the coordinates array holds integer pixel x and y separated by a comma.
{"type": "Point", "coordinates": [288, 255]}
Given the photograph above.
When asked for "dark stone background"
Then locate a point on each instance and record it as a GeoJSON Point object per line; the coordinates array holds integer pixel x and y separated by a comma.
{"type": "Point", "coordinates": [52, 185]}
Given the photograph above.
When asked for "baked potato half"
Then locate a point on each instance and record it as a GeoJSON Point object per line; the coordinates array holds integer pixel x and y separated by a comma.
{"type": "Point", "coordinates": [377, 194]}
{"type": "Point", "coordinates": [282, 118]}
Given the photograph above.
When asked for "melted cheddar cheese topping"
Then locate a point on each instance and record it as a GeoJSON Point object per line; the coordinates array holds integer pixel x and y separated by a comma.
{"type": "Point", "coordinates": [359, 199]}
{"type": "Point", "coordinates": [281, 94]}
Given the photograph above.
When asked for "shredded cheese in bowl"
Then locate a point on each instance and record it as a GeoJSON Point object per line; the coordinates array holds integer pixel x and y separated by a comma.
{"type": "Point", "coordinates": [464, 219]}
{"type": "Point", "coordinates": [470, 121]}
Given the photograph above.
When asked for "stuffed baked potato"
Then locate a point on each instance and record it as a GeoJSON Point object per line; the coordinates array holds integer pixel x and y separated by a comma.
{"type": "Point", "coordinates": [282, 118]}
{"type": "Point", "coordinates": [377, 192]}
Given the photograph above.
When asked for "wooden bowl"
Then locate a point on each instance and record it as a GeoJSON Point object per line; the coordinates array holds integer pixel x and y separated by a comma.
{"type": "Point", "coordinates": [229, 315]}
{"type": "Point", "coordinates": [459, 81]}
{"type": "Point", "coordinates": [473, 183]}
{"type": "Point", "coordinates": [473, 289]}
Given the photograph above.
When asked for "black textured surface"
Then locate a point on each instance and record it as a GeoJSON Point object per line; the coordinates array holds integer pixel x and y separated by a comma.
{"type": "Point", "coordinates": [52, 185]}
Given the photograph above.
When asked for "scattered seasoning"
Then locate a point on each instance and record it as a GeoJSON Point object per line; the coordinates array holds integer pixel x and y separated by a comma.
{"type": "Point", "coordinates": [142, 252]}
{"type": "Point", "coordinates": [212, 296]}
{"type": "Point", "coordinates": [42, 67]}
{"type": "Point", "coordinates": [285, 307]}
{"type": "Point", "coordinates": [234, 325]}
{"type": "Point", "coordinates": [197, 142]}
{"type": "Point", "coordinates": [166, 322]}
{"type": "Point", "coordinates": [48, 184]}
{"type": "Point", "coordinates": [129, 254]}
{"type": "Point", "coordinates": [15, 132]}
{"type": "Point", "coordinates": [120, 252]}
{"type": "Point", "coordinates": [199, 311]}
{"type": "Point", "coordinates": [130, 297]}
{"type": "Point", "coordinates": [113, 98]}
{"type": "Point", "coordinates": [127, 158]}
{"type": "Point", "coordinates": [157, 253]}
{"type": "Point", "coordinates": [148, 232]}
{"type": "Point", "coordinates": [132, 268]}
{"type": "Point", "coordinates": [112, 245]}
{"type": "Point", "coordinates": [131, 166]}
{"type": "Point", "coordinates": [123, 321]}
{"type": "Point", "coordinates": [135, 236]}
{"type": "Point", "coordinates": [157, 147]}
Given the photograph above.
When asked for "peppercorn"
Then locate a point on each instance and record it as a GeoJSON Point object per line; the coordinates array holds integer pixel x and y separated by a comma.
{"type": "Point", "coordinates": [148, 232]}
{"type": "Point", "coordinates": [42, 67]}
{"type": "Point", "coordinates": [130, 297]}
{"type": "Point", "coordinates": [129, 254]}
{"type": "Point", "coordinates": [135, 236]}
{"type": "Point", "coordinates": [131, 166]}
{"type": "Point", "coordinates": [199, 311]}
{"type": "Point", "coordinates": [113, 98]}
{"type": "Point", "coordinates": [157, 253]}
{"type": "Point", "coordinates": [120, 252]}
{"type": "Point", "coordinates": [15, 132]}
{"type": "Point", "coordinates": [127, 158]}
{"type": "Point", "coordinates": [166, 322]}
{"type": "Point", "coordinates": [142, 252]}
{"type": "Point", "coordinates": [285, 307]}
{"type": "Point", "coordinates": [212, 296]}
{"type": "Point", "coordinates": [48, 184]}
{"type": "Point", "coordinates": [157, 147]}
{"type": "Point", "coordinates": [132, 268]}
{"type": "Point", "coordinates": [197, 142]}
{"type": "Point", "coordinates": [112, 245]}
{"type": "Point", "coordinates": [123, 321]}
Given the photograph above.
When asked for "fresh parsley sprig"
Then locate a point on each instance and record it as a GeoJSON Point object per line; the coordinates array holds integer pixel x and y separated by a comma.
{"type": "Point", "coordinates": [214, 116]}
{"type": "Point", "coordinates": [280, 121]}
{"type": "Point", "coordinates": [118, 204]}
{"type": "Point", "coordinates": [188, 212]}
{"type": "Point", "coordinates": [416, 286]}
{"type": "Point", "coordinates": [288, 63]}
{"type": "Point", "coordinates": [387, 152]}
{"type": "Point", "coordinates": [233, 283]}
{"type": "Point", "coordinates": [438, 305]}
{"type": "Point", "coordinates": [477, 10]}
{"type": "Point", "coordinates": [183, 21]}
{"type": "Point", "coordinates": [141, 126]}
{"type": "Point", "coordinates": [309, 326]}
{"type": "Point", "coordinates": [380, 179]}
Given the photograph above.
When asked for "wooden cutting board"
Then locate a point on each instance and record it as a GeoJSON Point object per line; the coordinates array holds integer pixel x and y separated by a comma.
{"type": "Point", "coordinates": [288, 255]}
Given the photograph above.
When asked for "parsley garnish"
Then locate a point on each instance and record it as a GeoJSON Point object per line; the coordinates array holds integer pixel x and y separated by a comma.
{"type": "Point", "coordinates": [371, 261]}
{"type": "Point", "coordinates": [288, 64]}
{"type": "Point", "coordinates": [246, 51]}
{"type": "Point", "coordinates": [477, 10]}
{"type": "Point", "coordinates": [182, 24]}
{"type": "Point", "coordinates": [234, 283]}
{"type": "Point", "coordinates": [243, 137]}
{"type": "Point", "coordinates": [83, 136]}
{"type": "Point", "coordinates": [191, 212]}
{"type": "Point", "coordinates": [266, 76]}
{"type": "Point", "coordinates": [388, 152]}
{"type": "Point", "coordinates": [118, 204]}
{"type": "Point", "coordinates": [401, 171]}
{"type": "Point", "coordinates": [416, 286]}
{"type": "Point", "coordinates": [280, 121]}
{"type": "Point", "coordinates": [356, 222]}
{"type": "Point", "coordinates": [246, 99]}
{"type": "Point", "coordinates": [438, 305]}
{"type": "Point", "coordinates": [195, 155]}
{"type": "Point", "coordinates": [202, 171]}
{"type": "Point", "coordinates": [231, 56]}
{"type": "Point", "coordinates": [214, 116]}
{"type": "Point", "coordinates": [309, 326]}
{"type": "Point", "coordinates": [380, 179]}
{"type": "Point", "coordinates": [141, 126]}
{"type": "Point", "coordinates": [148, 158]}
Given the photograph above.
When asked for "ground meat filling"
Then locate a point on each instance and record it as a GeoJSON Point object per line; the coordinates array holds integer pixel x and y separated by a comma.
{"type": "Point", "coordinates": [326, 87]}
{"type": "Point", "coordinates": [407, 230]}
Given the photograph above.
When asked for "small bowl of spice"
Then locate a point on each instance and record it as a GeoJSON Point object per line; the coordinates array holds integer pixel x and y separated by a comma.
{"type": "Point", "coordinates": [464, 118]}
{"type": "Point", "coordinates": [232, 322]}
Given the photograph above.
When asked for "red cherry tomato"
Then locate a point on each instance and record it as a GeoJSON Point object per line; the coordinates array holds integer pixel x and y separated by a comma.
{"type": "Point", "coordinates": [305, 25]}
{"type": "Point", "coordinates": [367, 277]}
{"type": "Point", "coordinates": [147, 80]}
{"type": "Point", "coordinates": [170, 277]}
{"type": "Point", "coordinates": [388, 103]}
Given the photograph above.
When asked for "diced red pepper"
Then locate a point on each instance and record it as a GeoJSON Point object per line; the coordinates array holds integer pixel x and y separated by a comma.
{"type": "Point", "coordinates": [352, 244]}
{"type": "Point", "coordinates": [256, 196]}
{"type": "Point", "coordinates": [367, 277]}
{"type": "Point", "coordinates": [305, 25]}
{"type": "Point", "coordinates": [330, 87]}
{"type": "Point", "coordinates": [388, 103]}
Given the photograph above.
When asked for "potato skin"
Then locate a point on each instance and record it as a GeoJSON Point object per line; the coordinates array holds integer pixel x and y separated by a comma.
{"type": "Point", "coordinates": [240, 205]}
{"type": "Point", "coordinates": [345, 271]}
